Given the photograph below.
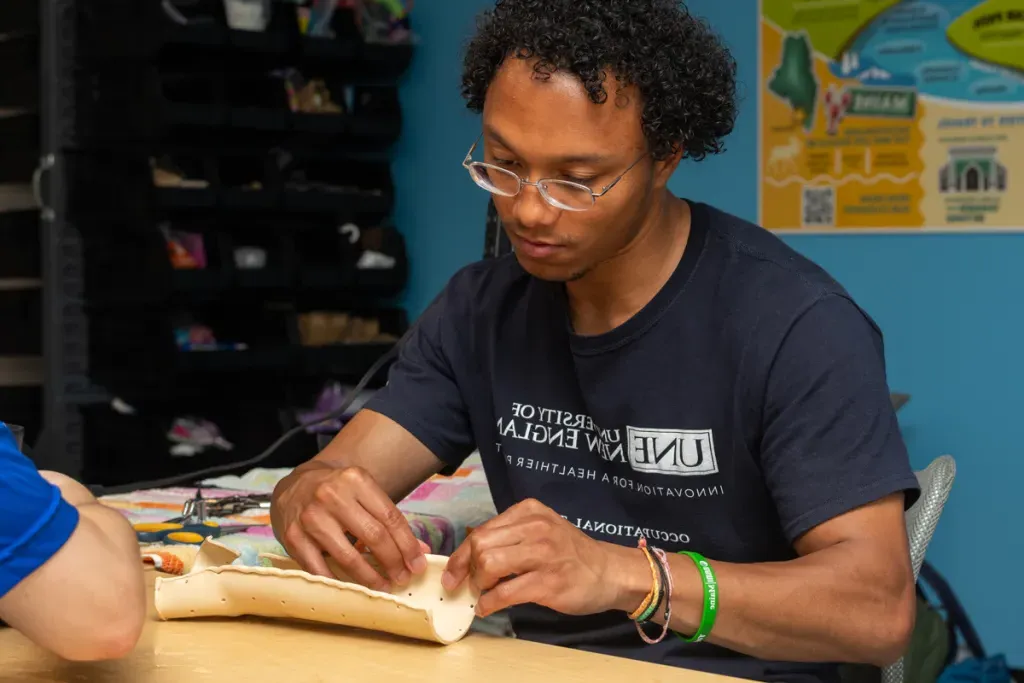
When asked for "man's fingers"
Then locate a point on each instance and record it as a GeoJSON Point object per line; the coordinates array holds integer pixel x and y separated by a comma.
{"type": "Point", "coordinates": [531, 587]}
{"type": "Point", "coordinates": [457, 569]}
{"type": "Point", "coordinates": [397, 530]}
{"type": "Point", "coordinates": [490, 567]}
{"type": "Point", "coordinates": [304, 551]}
{"type": "Point", "coordinates": [345, 504]}
{"type": "Point", "coordinates": [484, 554]}
{"type": "Point", "coordinates": [329, 535]}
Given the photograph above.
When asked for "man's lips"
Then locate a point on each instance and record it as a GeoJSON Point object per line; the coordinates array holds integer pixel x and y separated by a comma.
{"type": "Point", "coordinates": [535, 249]}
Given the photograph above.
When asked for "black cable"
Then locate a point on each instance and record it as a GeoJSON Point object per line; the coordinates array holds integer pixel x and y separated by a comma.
{"type": "Point", "coordinates": [255, 460]}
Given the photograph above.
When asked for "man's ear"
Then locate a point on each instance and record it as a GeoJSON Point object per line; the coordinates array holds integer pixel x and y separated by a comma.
{"type": "Point", "coordinates": [664, 169]}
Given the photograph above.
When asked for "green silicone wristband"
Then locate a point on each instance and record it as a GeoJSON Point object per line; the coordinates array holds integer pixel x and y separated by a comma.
{"type": "Point", "coordinates": [710, 583]}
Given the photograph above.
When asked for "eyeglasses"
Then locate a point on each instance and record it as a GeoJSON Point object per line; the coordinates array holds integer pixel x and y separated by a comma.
{"type": "Point", "coordinates": [562, 194]}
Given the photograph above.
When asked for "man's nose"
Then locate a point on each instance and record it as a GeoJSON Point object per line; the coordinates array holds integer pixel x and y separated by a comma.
{"type": "Point", "coordinates": [531, 210]}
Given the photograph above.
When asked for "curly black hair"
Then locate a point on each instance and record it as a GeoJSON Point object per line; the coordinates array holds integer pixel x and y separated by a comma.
{"type": "Point", "coordinates": [685, 75]}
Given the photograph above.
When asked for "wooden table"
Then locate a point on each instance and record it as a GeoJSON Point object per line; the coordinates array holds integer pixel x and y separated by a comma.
{"type": "Point", "coordinates": [250, 650]}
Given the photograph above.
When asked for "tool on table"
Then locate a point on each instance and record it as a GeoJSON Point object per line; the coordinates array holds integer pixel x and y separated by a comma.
{"type": "Point", "coordinates": [185, 534]}
{"type": "Point", "coordinates": [198, 509]}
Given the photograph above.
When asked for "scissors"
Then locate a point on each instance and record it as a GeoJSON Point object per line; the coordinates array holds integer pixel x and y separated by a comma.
{"type": "Point", "coordinates": [185, 534]}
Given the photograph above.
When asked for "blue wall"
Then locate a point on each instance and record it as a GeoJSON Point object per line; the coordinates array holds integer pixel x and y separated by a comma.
{"type": "Point", "coordinates": [950, 305]}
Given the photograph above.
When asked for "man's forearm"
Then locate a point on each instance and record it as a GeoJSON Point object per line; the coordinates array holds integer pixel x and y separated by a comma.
{"type": "Point", "coordinates": [834, 605]}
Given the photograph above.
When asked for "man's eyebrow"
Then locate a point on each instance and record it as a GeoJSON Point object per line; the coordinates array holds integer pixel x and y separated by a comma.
{"type": "Point", "coordinates": [578, 158]}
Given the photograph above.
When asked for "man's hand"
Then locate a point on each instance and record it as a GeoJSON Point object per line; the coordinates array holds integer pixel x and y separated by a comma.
{"type": "Point", "coordinates": [530, 554]}
{"type": "Point", "coordinates": [324, 509]}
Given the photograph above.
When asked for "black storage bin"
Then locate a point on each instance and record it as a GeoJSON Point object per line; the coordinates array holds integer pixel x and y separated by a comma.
{"type": "Point", "coordinates": [19, 139]}
{"type": "Point", "coordinates": [337, 259]}
{"type": "Point", "coordinates": [351, 360]}
{"type": "Point", "coordinates": [376, 114]}
{"type": "Point", "coordinates": [345, 187]}
{"type": "Point", "coordinates": [328, 259]}
{"type": "Point", "coordinates": [22, 312]}
{"type": "Point", "coordinates": [139, 351]}
{"type": "Point", "coordinates": [19, 87]}
{"type": "Point", "coordinates": [20, 256]}
{"type": "Point", "coordinates": [276, 249]}
{"type": "Point", "coordinates": [107, 184]}
{"type": "Point", "coordinates": [256, 100]}
{"type": "Point", "coordinates": [381, 281]}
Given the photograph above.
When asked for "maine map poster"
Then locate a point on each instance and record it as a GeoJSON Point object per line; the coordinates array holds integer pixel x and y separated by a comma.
{"type": "Point", "coordinates": [891, 115]}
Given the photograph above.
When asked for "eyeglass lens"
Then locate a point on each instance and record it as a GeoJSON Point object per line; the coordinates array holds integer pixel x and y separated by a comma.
{"type": "Point", "coordinates": [559, 193]}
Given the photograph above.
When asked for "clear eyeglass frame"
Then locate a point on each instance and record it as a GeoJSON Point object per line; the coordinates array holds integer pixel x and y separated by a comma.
{"type": "Point", "coordinates": [575, 196]}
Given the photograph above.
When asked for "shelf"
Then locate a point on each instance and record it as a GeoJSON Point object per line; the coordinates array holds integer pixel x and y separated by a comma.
{"type": "Point", "coordinates": [184, 114]}
{"type": "Point", "coordinates": [186, 198]}
{"type": "Point", "coordinates": [263, 42]}
{"type": "Point", "coordinates": [211, 34]}
{"type": "Point", "coordinates": [381, 129]}
{"type": "Point", "coordinates": [350, 360]}
{"type": "Point", "coordinates": [311, 201]}
{"type": "Point", "coordinates": [21, 371]}
{"type": "Point", "coordinates": [258, 118]}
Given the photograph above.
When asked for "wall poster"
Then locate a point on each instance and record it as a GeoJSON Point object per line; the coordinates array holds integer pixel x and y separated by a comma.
{"type": "Point", "coordinates": [891, 115]}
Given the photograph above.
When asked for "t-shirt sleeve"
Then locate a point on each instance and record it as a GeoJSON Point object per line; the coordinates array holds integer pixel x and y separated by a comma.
{"type": "Point", "coordinates": [830, 439]}
{"type": "Point", "coordinates": [35, 521]}
{"type": "Point", "coordinates": [422, 393]}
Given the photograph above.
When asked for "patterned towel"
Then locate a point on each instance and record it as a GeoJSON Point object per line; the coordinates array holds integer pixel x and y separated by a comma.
{"type": "Point", "coordinates": [441, 511]}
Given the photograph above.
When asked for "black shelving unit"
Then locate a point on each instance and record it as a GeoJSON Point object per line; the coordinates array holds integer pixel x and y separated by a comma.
{"type": "Point", "coordinates": [125, 87]}
{"type": "Point", "coordinates": [20, 258]}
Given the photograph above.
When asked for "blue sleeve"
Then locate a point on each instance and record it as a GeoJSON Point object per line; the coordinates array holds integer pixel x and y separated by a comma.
{"type": "Point", "coordinates": [35, 521]}
{"type": "Point", "coordinates": [830, 439]}
{"type": "Point", "coordinates": [422, 393]}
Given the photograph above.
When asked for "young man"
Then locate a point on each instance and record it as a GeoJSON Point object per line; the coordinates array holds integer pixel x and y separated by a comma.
{"type": "Point", "coordinates": [644, 366]}
{"type": "Point", "coordinates": [70, 574]}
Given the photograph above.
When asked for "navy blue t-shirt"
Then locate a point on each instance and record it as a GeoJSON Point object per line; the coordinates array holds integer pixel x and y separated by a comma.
{"type": "Point", "coordinates": [35, 521]}
{"type": "Point", "coordinates": [744, 405]}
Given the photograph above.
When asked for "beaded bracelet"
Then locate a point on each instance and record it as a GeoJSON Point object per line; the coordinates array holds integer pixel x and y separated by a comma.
{"type": "Point", "coordinates": [650, 604]}
{"type": "Point", "coordinates": [661, 593]}
{"type": "Point", "coordinates": [666, 574]}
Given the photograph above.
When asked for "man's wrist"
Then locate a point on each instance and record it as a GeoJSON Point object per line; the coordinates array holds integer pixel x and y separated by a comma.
{"type": "Point", "coordinates": [629, 576]}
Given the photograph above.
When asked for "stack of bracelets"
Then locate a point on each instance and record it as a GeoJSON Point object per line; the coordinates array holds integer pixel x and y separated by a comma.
{"type": "Point", "coordinates": [660, 595]}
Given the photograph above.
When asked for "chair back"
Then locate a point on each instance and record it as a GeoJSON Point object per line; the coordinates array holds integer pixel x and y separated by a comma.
{"type": "Point", "coordinates": [936, 480]}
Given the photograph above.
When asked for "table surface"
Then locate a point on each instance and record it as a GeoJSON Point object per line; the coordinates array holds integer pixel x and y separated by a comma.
{"type": "Point", "coordinates": [249, 650]}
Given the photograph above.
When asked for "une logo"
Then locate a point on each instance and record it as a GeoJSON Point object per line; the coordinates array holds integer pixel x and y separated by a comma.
{"type": "Point", "coordinates": [679, 452]}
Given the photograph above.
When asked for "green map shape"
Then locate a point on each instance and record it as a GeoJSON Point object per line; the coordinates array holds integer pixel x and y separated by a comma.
{"type": "Point", "coordinates": [794, 80]}
{"type": "Point", "coordinates": [831, 26]}
{"type": "Point", "coordinates": [992, 32]}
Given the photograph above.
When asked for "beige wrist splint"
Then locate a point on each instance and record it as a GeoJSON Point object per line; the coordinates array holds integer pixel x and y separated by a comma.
{"type": "Point", "coordinates": [216, 588]}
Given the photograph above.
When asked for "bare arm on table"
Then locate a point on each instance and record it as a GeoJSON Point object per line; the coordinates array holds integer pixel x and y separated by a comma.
{"type": "Point", "coordinates": [87, 602]}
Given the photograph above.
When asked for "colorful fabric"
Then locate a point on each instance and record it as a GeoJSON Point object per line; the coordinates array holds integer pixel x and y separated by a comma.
{"type": "Point", "coordinates": [440, 511]}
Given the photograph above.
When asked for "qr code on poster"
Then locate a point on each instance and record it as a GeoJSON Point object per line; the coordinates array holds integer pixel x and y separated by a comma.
{"type": "Point", "coordinates": [819, 206]}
